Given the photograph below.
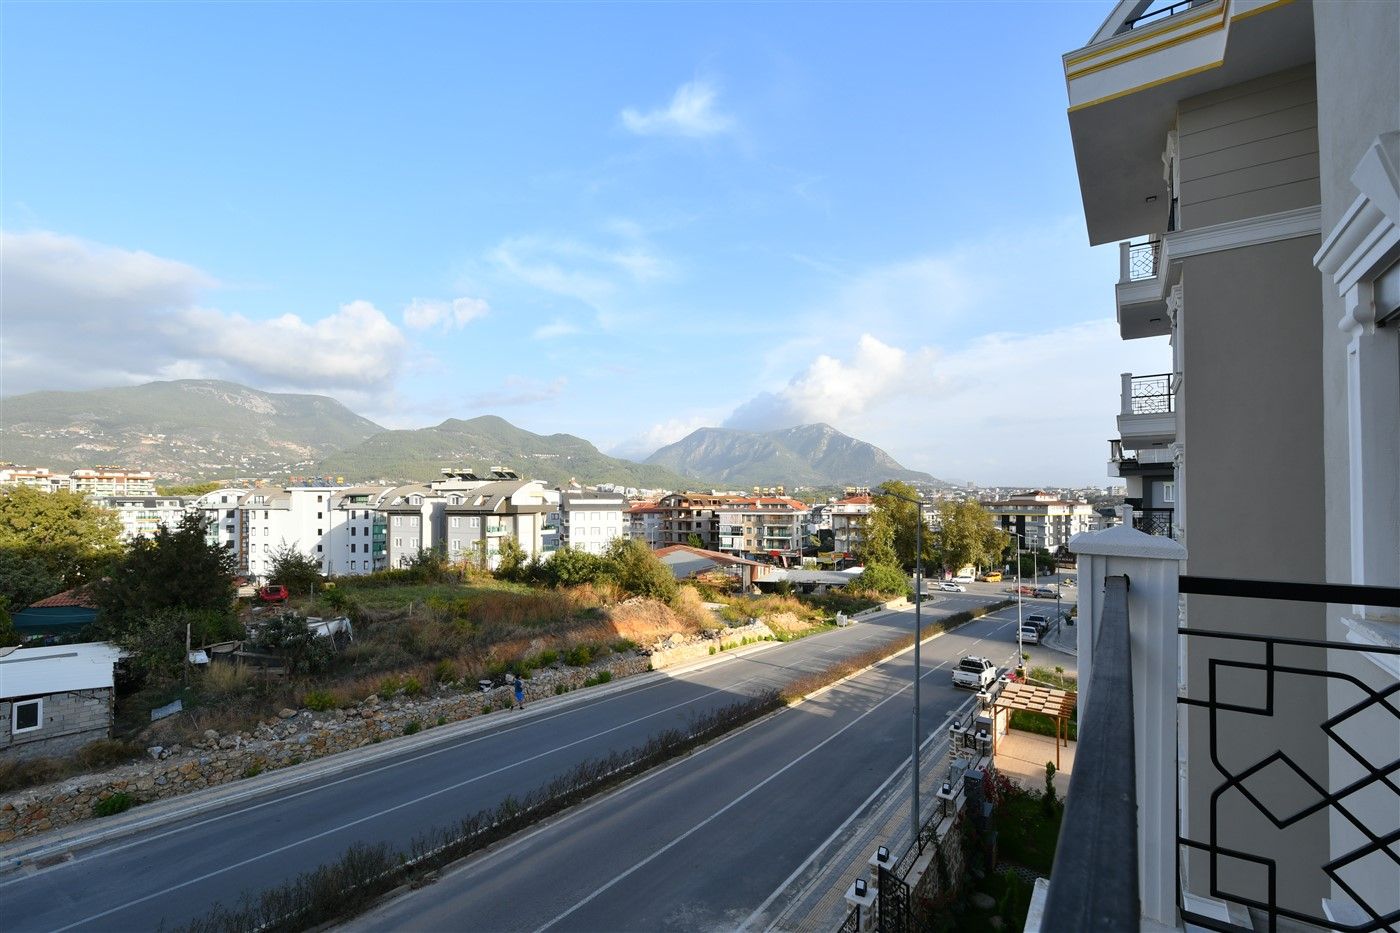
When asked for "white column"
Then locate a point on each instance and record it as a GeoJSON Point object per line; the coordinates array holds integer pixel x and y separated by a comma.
{"type": "Point", "coordinates": [1125, 395]}
{"type": "Point", "coordinates": [1152, 564]}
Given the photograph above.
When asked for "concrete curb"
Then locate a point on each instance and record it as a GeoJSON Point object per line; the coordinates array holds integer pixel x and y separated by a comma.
{"type": "Point", "coordinates": [152, 815]}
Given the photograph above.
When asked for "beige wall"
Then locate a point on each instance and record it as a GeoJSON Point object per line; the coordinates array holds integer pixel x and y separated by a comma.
{"type": "Point", "coordinates": [1249, 149]}
{"type": "Point", "coordinates": [1251, 422]}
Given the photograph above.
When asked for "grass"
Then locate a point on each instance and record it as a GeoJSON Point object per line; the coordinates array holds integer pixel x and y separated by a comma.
{"type": "Point", "coordinates": [95, 756]}
{"type": "Point", "coordinates": [1026, 834]}
{"type": "Point", "coordinates": [113, 804]}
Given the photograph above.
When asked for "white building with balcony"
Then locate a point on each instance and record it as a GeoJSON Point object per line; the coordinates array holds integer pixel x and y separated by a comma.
{"type": "Point", "coordinates": [590, 520]}
{"type": "Point", "coordinates": [143, 516]}
{"type": "Point", "coordinates": [1247, 153]}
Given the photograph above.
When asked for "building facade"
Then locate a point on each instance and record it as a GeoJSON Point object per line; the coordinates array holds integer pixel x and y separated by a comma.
{"type": "Point", "coordinates": [142, 516]}
{"type": "Point", "coordinates": [107, 481]}
{"type": "Point", "coordinates": [848, 525]}
{"type": "Point", "coordinates": [590, 521]}
{"type": "Point", "coordinates": [644, 523]}
{"type": "Point", "coordinates": [475, 522]}
{"type": "Point", "coordinates": [1041, 519]}
{"type": "Point", "coordinates": [768, 528]}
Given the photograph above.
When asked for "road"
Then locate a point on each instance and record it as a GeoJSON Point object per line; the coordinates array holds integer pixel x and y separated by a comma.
{"type": "Point", "coordinates": [173, 873]}
{"type": "Point", "coordinates": [706, 842]}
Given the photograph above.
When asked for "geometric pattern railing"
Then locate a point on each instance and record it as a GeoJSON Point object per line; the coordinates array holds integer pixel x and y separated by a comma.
{"type": "Point", "coordinates": [852, 922]}
{"type": "Point", "coordinates": [1152, 395]}
{"type": "Point", "coordinates": [1142, 260]}
{"type": "Point", "coordinates": [1246, 783]}
{"type": "Point", "coordinates": [1154, 521]}
{"type": "Point", "coordinates": [894, 910]}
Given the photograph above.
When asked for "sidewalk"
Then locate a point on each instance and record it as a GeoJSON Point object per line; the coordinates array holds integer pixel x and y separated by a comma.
{"type": "Point", "coordinates": [1062, 638]}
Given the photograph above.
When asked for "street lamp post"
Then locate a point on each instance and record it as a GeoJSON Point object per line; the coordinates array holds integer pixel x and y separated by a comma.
{"type": "Point", "coordinates": [918, 630]}
{"type": "Point", "coordinates": [1020, 651]}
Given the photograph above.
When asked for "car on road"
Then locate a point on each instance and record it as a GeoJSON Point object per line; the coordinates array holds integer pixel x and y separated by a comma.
{"type": "Point", "coordinates": [972, 671]}
{"type": "Point", "coordinates": [275, 593]}
{"type": "Point", "coordinates": [992, 576]}
{"type": "Point", "coordinates": [1044, 592]}
{"type": "Point", "coordinates": [949, 586]}
{"type": "Point", "coordinates": [964, 578]}
{"type": "Point", "coordinates": [1030, 633]}
{"type": "Point", "coordinates": [1040, 622]}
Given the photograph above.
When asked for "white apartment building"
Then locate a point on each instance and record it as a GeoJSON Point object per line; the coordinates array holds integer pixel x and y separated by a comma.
{"type": "Point", "coordinates": [34, 477]}
{"type": "Point", "coordinates": [223, 517]}
{"type": "Point", "coordinates": [1043, 520]}
{"type": "Point", "coordinates": [410, 518]}
{"type": "Point", "coordinates": [848, 524]}
{"type": "Point", "coordinates": [590, 521]}
{"type": "Point", "coordinates": [299, 517]}
{"type": "Point", "coordinates": [767, 527]}
{"type": "Point", "coordinates": [474, 522]}
{"type": "Point", "coordinates": [142, 516]}
{"type": "Point", "coordinates": [1245, 155]}
{"type": "Point", "coordinates": [105, 481]}
{"type": "Point", "coordinates": [357, 540]}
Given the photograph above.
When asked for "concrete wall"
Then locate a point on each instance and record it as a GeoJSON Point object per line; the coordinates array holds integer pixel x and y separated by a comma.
{"type": "Point", "coordinates": [70, 721]}
{"type": "Point", "coordinates": [1358, 73]}
{"type": "Point", "coordinates": [1249, 149]}
{"type": "Point", "coordinates": [1251, 423]}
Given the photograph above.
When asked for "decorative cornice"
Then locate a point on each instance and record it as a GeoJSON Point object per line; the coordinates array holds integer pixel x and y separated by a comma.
{"type": "Point", "coordinates": [1251, 231]}
{"type": "Point", "coordinates": [1369, 231]}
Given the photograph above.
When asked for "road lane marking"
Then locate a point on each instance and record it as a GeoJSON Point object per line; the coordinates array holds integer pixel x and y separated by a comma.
{"type": "Point", "coordinates": [726, 808]}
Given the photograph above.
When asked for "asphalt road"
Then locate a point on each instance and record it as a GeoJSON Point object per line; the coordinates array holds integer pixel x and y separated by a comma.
{"type": "Point", "coordinates": [705, 842]}
{"type": "Point", "coordinates": [173, 873]}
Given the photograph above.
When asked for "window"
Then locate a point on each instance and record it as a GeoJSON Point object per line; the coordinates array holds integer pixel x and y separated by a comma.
{"type": "Point", "coordinates": [319, 515]}
{"type": "Point", "coordinates": [398, 520]}
{"type": "Point", "coordinates": [413, 521]}
{"type": "Point", "coordinates": [264, 515]}
{"type": "Point", "coordinates": [473, 522]}
{"type": "Point", "coordinates": [398, 542]}
{"type": "Point", "coordinates": [28, 715]}
{"type": "Point", "coordinates": [266, 532]}
{"type": "Point", "coordinates": [352, 531]}
{"type": "Point", "coordinates": [318, 498]}
{"type": "Point", "coordinates": [318, 532]}
{"type": "Point", "coordinates": [1169, 492]}
{"type": "Point", "coordinates": [456, 522]}
{"type": "Point", "coordinates": [318, 549]}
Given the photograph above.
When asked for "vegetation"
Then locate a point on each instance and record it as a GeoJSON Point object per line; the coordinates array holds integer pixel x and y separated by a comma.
{"type": "Point", "coordinates": [966, 535]}
{"type": "Point", "coordinates": [176, 569]}
{"type": "Point", "coordinates": [885, 579]}
{"type": "Point", "coordinates": [298, 572]}
{"type": "Point", "coordinates": [113, 804]}
{"type": "Point", "coordinates": [1027, 826]}
{"type": "Point", "coordinates": [51, 541]}
{"type": "Point", "coordinates": [903, 518]}
{"type": "Point", "coordinates": [8, 635]}
{"type": "Point", "coordinates": [26, 772]}
{"type": "Point", "coordinates": [190, 489]}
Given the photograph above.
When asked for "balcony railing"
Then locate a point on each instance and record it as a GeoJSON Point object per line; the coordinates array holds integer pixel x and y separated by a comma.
{"type": "Point", "coordinates": [1157, 15]}
{"type": "Point", "coordinates": [1365, 801]}
{"type": "Point", "coordinates": [1154, 521]}
{"type": "Point", "coordinates": [1141, 261]}
{"type": "Point", "coordinates": [1095, 875]}
{"type": "Point", "coordinates": [1151, 395]}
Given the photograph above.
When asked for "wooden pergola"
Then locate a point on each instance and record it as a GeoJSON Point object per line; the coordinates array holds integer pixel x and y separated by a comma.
{"type": "Point", "coordinates": [1048, 701]}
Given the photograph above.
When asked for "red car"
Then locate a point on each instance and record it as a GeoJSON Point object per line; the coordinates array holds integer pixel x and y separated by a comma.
{"type": "Point", "coordinates": [276, 593]}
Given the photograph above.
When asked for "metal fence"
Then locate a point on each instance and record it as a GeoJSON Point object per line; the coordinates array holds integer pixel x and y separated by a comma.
{"type": "Point", "coordinates": [1152, 395]}
{"type": "Point", "coordinates": [1154, 521]}
{"type": "Point", "coordinates": [1143, 259]}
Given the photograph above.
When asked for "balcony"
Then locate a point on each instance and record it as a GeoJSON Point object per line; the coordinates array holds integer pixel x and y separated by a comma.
{"type": "Point", "coordinates": [497, 530]}
{"type": "Point", "coordinates": [1235, 772]}
{"type": "Point", "coordinates": [1140, 295]}
{"type": "Point", "coordinates": [1154, 460]}
{"type": "Point", "coordinates": [1147, 415]}
{"type": "Point", "coordinates": [1154, 521]}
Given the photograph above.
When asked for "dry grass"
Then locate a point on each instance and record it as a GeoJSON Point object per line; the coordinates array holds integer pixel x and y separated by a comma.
{"type": "Point", "coordinates": [104, 753]}
{"type": "Point", "coordinates": [222, 679]}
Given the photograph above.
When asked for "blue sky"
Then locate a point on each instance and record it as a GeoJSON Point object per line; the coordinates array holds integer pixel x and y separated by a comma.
{"type": "Point", "coordinates": [621, 221]}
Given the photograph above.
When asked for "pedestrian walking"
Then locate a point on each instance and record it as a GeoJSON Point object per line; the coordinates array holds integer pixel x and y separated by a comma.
{"type": "Point", "coordinates": [519, 692]}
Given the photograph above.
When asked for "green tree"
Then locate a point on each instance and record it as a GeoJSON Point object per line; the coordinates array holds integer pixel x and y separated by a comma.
{"type": "Point", "coordinates": [570, 567]}
{"type": "Point", "coordinates": [70, 537]}
{"type": "Point", "coordinates": [190, 489]}
{"type": "Point", "coordinates": [695, 541]}
{"type": "Point", "coordinates": [635, 569]}
{"type": "Point", "coordinates": [178, 568]}
{"type": "Point", "coordinates": [299, 573]}
{"type": "Point", "coordinates": [882, 578]}
{"type": "Point", "coordinates": [876, 546]}
{"type": "Point", "coordinates": [513, 560]}
{"type": "Point", "coordinates": [904, 518]}
{"type": "Point", "coordinates": [8, 635]}
{"type": "Point", "coordinates": [155, 641]}
{"type": "Point", "coordinates": [25, 578]}
{"type": "Point", "coordinates": [286, 634]}
{"type": "Point", "coordinates": [967, 535]}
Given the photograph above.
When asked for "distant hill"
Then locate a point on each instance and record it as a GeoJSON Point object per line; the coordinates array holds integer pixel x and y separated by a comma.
{"type": "Point", "coordinates": [488, 441]}
{"type": "Point", "coordinates": [187, 429]}
{"type": "Point", "coordinates": [809, 454]}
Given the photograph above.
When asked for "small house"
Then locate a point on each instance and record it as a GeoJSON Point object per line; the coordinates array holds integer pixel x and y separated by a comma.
{"type": "Point", "coordinates": [65, 613]}
{"type": "Point", "coordinates": [55, 699]}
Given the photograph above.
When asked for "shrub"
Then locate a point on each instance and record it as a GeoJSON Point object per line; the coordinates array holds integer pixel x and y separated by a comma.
{"type": "Point", "coordinates": [225, 679]}
{"type": "Point", "coordinates": [113, 804]}
{"type": "Point", "coordinates": [104, 753]}
{"type": "Point", "coordinates": [604, 676]}
{"type": "Point", "coordinates": [253, 770]}
{"type": "Point", "coordinates": [559, 689]}
{"type": "Point", "coordinates": [389, 686]}
{"type": "Point", "coordinates": [413, 728]}
{"type": "Point", "coordinates": [442, 720]}
{"type": "Point", "coordinates": [412, 686]}
{"type": "Point", "coordinates": [319, 700]}
{"type": "Point", "coordinates": [883, 578]}
{"type": "Point", "coordinates": [579, 655]}
{"type": "Point", "coordinates": [445, 671]}
{"type": "Point", "coordinates": [547, 658]}
{"type": "Point", "coordinates": [623, 645]}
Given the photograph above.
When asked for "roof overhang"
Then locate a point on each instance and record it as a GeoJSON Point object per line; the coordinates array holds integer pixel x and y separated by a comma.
{"type": "Point", "coordinates": [1124, 91]}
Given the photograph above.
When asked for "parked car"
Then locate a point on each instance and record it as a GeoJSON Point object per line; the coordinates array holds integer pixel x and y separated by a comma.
{"type": "Point", "coordinates": [1040, 622]}
{"type": "Point", "coordinates": [1030, 634]}
{"type": "Point", "coordinates": [948, 586]}
{"type": "Point", "coordinates": [977, 673]}
{"type": "Point", "coordinates": [276, 593]}
{"type": "Point", "coordinates": [1044, 592]}
{"type": "Point", "coordinates": [963, 578]}
{"type": "Point", "coordinates": [992, 576]}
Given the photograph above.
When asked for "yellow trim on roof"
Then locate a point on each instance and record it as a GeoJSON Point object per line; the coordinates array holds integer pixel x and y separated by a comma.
{"type": "Point", "coordinates": [1143, 87]}
{"type": "Point", "coordinates": [1139, 53]}
{"type": "Point", "coordinates": [1148, 33]}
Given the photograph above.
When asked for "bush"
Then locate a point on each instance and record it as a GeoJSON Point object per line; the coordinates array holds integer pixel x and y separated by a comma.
{"type": "Point", "coordinates": [637, 570]}
{"type": "Point", "coordinates": [623, 645]}
{"type": "Point", "coordinates": [253, 770]}
{"type": "Point", "coordinates": [104, 753]}
{"type": "Point", "coordinates": [883, 578]}
{"type": "Point", "coordinates": [319, 700]}
{"type": "Point", "coordinates": [113, 804]}
{"type": "Point", "coordinates": [413, 728]}
{"type": "Point", "coordinates": [579, 655]}
{"type": "Point", "coordinates": [445, 672]}
{"type": "Point", "coordinates": [412, 687]}
{"type": "Point", "coordinates": [222, 680]}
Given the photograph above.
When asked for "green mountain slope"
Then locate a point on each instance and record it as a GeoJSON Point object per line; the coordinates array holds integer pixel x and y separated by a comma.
{"type": "Point", "coordinates": [188, 429]}
{"type": "Point", "coordinates": [809, 454]}
{"type": "Point", "coordinates": [485, 442]}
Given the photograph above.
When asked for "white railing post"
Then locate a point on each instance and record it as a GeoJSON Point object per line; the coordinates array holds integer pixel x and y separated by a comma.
{"type": "Point", "coordinates": [1152, 564]}
{"type": "Point", "coordinates": [1125, 250]}
{"type": "Point", "coordinates": [1126, 394]}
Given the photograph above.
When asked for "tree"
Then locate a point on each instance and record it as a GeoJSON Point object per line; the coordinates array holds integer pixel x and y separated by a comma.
{"type": "Point", "coordinates": [636, 570]}
{"type": "Point", "coordinates": [298, 572]}
{"type": "Point", "coordinates": [61, 532]}
{"type": "Point", "coordinates": [287, 635]}
{"type": "Point", "coordinates": [155, 641]}
{"type": "Point", "coordinates": [695, 541]}
{"type": "Point", "coordinates": [25, 578]}
{"type": "Point", "coordinates": [178, 568]}
{"type": "Point", "coordinates": [967, 535]}
{"type": "Point", "coordinates": [8, 635]}
{"type": "Point", "coordinates": [882, 578]}
{"type": "Point", "coordinates": [876, 546]}
{"type": "Point", "coordinates": [570, 567]}
{"type": "Point", "coordinates": [190, 489]}
{"type": "Point", "coordinates": [904, 517]}
{"type": "Point", "coordinates": [513, 560]}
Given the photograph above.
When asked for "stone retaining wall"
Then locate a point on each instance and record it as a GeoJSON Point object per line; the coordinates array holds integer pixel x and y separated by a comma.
{"type": "Point", "coordinates": [295, 736]}
{"type": "Point", "coordinates": [680, 650]}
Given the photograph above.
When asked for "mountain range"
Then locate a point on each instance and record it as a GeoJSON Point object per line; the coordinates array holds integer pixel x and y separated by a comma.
{"type": "Point", "coordinates": [192, 429]}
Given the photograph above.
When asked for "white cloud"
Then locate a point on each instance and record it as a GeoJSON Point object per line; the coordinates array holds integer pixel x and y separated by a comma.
{"type": "Point", "coordinates": [691, 113]}
{"type": "Point", "coordinates": [82, 315]}
{"type": "Point", "coordinates": [555, 328]}
{"type": "Point", "coordinates": [828, 390]}
{"type": "Point", "coordinates": [517, 390]}
{"type": "Point", "coordinates": [423, 313]}
{"type": "Point", "coordinates": [659, 435]}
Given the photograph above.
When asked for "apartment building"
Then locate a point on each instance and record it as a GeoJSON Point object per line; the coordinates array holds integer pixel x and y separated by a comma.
{"type": "Point", "coordinates": [591, 520]}
{"type": "Point", "coordinates": [767, 527]}
{"type": "Point", "coordinates": [687, 514]}
{"type": "Point", "coordinates": [1042, 519]}
{"type": "Point", "coordinates": [35, 478]}
{"type": "Point", "coordinates": [476, 521]}
{"type": "Point", "coordinates": [223, 517]}
{"type": "Point", "coordinates": [644, 523]}
{"type": "Point", "coordinates": [357, 539]}
{"type": "Point", "coordinates": [411, 517]}
{"type": "Point", "coordinates": [298, 517]}
{"type": "Point", "coordinates": [106, 481]}
{"type": "Point", "coordinates": [142, 516]}
{"type": "Point", "coordinates": [848, 524]}
{"type": "Point", "coordinates": [1245, 156]}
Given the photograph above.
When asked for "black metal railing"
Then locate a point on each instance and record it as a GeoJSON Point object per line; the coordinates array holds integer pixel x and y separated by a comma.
{"type": "Point", "coordinates": [894, 910]}
{"type": "Point", "coordinates": [1143, 259]}
{"type": "Point", "coordinates": [1116, 454]}
{"type": "Point", "coordinates": [1154, 521]}
{"type": "Point", "coordinates": [852, 922]}
{"type": "Point", "coordinates": [1152, 395]}
{"type": "Point", "coordinates": [1275, 666]}
{"type": "Point", "coordinates": [1094, 880]}
{"type": "Point", "coordinates": [1161, 13]}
